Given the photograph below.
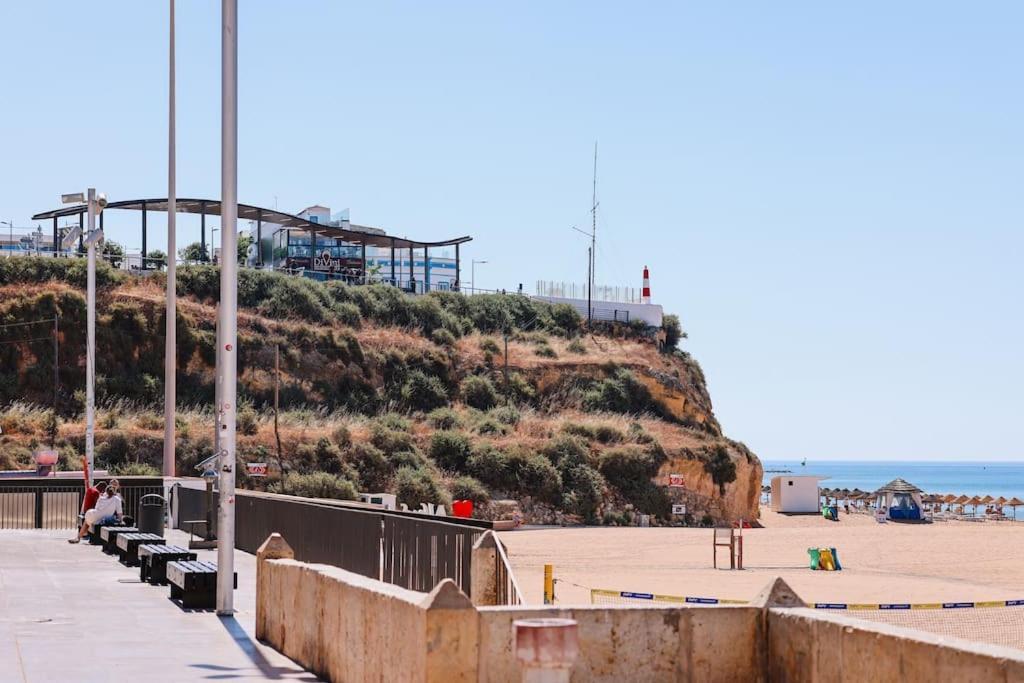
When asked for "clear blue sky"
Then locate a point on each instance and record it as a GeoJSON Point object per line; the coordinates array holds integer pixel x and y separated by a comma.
{"type": "Point", "coordinates": [831, 198]}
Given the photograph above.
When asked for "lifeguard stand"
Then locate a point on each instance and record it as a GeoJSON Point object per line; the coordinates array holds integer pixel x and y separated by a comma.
{"type": "Point", "coordinates": [731, 538]}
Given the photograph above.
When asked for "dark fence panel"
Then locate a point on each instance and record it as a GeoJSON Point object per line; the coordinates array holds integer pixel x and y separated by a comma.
{"type": "Point", "coordinates": [407, 549]}
{"type": "Point", "coordinates": [51, 503]}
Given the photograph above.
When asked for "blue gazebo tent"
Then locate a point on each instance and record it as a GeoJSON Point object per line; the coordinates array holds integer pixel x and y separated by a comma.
{"type": "Point", "coordinates": [900, 499]}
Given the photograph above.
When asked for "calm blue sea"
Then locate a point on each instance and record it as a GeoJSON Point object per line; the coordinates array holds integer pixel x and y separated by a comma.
{"type": "Point", "coordinates": [970, 478]}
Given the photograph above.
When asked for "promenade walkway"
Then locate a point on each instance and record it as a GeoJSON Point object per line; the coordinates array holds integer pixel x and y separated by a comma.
{"type": "Point", "coordinates": [71, 613]}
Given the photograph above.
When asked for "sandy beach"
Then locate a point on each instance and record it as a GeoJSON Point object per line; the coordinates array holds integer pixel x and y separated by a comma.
{"type": "Point", "coordinates": [939, 562]}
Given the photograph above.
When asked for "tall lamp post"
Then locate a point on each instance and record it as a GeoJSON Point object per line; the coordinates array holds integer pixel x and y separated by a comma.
{"type": "Point", "coordinates": [472, 274]}
{"type": "Point", "coordinates": [228, 313]}
{"type": "Point", "coordinates": [96, 204]}
{"type": "Point", "coordinates": [170, 330]}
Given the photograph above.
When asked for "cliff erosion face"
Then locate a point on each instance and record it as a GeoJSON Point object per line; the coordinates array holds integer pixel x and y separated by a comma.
{"type": "Point", "coordinates": [351, 357]}
{"type": "Point", "coordinates": [728, 502]}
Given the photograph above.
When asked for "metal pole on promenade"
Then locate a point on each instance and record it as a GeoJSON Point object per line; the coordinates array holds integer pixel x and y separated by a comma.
{"type": "Point", "coordinates": [228, 304]}
{"type": "Point", "coordinates": [90, 340]}
{"type": "Point", "coordinates": [170, 330]}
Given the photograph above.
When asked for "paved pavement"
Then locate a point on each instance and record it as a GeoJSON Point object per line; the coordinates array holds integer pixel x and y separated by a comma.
{"type": "Point", "coordinates": [71, 613]}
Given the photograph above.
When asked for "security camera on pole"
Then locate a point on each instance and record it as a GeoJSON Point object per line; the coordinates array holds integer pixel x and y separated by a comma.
{"type": "Point", "coordinates": [96, 204]}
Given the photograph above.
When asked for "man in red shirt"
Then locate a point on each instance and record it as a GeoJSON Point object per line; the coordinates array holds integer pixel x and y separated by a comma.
{"type": "Point", "coordinates": [92, 495]}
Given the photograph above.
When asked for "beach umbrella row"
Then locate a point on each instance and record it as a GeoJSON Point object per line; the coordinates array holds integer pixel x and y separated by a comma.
{"type": "Point", "coordinates": [931, 499]}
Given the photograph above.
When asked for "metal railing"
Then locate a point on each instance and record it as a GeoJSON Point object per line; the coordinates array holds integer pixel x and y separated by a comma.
{"type": "Point", "coordinates": [507, 588]}
{"type": "Point", "coordinates": [573, 290]}
{"type": "Point", "coordinates": [51, 503]}
{"type": "Point", "coordinates": [408, 549]}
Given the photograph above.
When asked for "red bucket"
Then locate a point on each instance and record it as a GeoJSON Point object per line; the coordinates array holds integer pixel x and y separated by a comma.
{"type": "Point", "coordinates": [462, 508]}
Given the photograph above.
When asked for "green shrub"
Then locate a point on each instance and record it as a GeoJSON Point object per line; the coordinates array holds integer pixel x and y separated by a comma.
{"type": "Point", "coordinates": [135, 469]}
{"type": "Point", "coordinates": [520, 390]}
{"type": "Point", "coordinates": [374, 468]}
{"type": "Point", "coordinates": [423, 392]}
{"type": "Point", "coordinates": [391, 440]}
{"type": "Point", "coordinates": [576, 346]}
{"type": "Point", "coordinates": [478, 392]}
{"type": "Point", "coordinates": [315, 485]}
{"type": "Point", "coordinates": [342, 436]}
{"type": "Point", "coordinates": [545, 351]}
{"type": "Point", "coordinates": [673, 332]}
{"type": "Point", "coordinates": [580, 430]}
{"type": "Point", "coordinates": [489, 345]}
{"type": "Point", "coordinates": [488, 425]}
{"type": "Point", "coordinates": [565, 319]}
{"type": "Point", "coordinates": [607, 434]}
{"type": "Point", "coordinates": [491, 466]}
{"type": "Point", "coordinates": [417, 486]}
{"type": "Point", "coordinates": [327, 456]}
{"type": "Point", "coordinates": [719, 464]}
{"type": "Point", "coordinates": [505, 415]}
{"type": "Point", "coordinates": [450, 450]}
{"type": "Point", "coordinates": [468, 488]}
{"type": "Point", "coordinates": [247, 421]}
{"type": "Point", "coordinates": [630, 469]}
{"type": "Point", "coordinates": [584, 488]}
{"type": "Point", "coordinates": [621, 392]}
{"type": "Point", "coordinates": [348, 314]}
{"type": "Point", "coordinates": [567, 452]}
{"type": "Point", "coordinates": [394, 421]}
{"type": "Point", "coordinates": [442, 337]}
{"type": "Point", "coordinates": [444, 418]}
{"type": "Point", "coordinates": [536, 476]}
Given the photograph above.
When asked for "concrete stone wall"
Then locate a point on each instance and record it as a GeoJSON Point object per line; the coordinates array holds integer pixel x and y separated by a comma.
{"type": "Point", "coordinates": [809, 645]}
{"type": "Point", "coordinates": [346, 627]}
{"type": "Point", "coordinates": [621, 643]}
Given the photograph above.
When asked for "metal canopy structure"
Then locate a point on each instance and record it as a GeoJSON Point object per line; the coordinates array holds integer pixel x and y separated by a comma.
{"type": "Point", "coordinates": [211, 207]}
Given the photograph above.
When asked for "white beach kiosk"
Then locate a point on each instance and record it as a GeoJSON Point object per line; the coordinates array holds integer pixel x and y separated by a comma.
{"type": "Point", "coordinates": [796, 493]}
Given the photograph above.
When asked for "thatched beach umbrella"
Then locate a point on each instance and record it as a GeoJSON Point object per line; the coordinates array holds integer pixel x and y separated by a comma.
{"type": "Point", "coordinates": [1014, 502]}
{"type": "Point", "coordinates": [974, 503]}
{"type": "Point", "coordinates": [1001, 500]}
{"type": "Point", "coordinates": [986, 500]}
{"type": "Point", "coordinates": [961, 501]}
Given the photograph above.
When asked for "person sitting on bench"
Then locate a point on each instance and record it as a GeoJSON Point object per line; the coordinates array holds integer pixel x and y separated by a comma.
{"type": "Point", "coordinates": [92, 496]}
{"type": "Point", "coordinates": [108, 510]}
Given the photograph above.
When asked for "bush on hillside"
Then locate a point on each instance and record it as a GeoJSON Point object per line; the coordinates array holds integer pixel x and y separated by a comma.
{"type": "Point", "coordinates": [417, 486]}
{"type": "Point", "coordinates": [630, 469]}
{"type": "Point", "coordinates": [423, 392]}
{"type": "Point", "coordinates": [673, 332]}
{"type": "Point", "coordinates": [584, 491]}
{"type": "Point", "coordinates": [468, 488]}
{"type": "Point", "coordinates": [443, 337]}
{"type": "Point", "coordinates": [315, 485]}
{"type": "Point", "coordinates": [374, 468]}
{"type": "Point", "coordinates": [620, 392]}
{"type": "Point", "coordinates": [478, 392]}
{"type": "Point", "coordinates": [565, 319]}
{"type": "Point", "coordinates": [444, 418]}
{"type": "Point", "coordinates": [719, 464]}
{"type": "Point", "coordinates": [450, 450]}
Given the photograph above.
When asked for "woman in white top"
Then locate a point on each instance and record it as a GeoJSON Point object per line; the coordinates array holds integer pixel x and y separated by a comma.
{"type": "Point", "coordinates": [109, 508]}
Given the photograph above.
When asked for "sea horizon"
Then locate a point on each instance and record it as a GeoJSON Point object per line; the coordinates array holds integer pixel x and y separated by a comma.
{"type": "Point", "coordinates": [995, 478]}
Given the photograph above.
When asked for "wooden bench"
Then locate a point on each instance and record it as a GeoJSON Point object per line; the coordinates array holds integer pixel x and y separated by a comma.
{"type": "Point", "coordinates": [153, 561]}
{"type": "Point", "coordinates": [194, 584]}
{"type": "Point", "coordinates": [128, 546]}
{"type": "Point", "coordinates": [109, 536]}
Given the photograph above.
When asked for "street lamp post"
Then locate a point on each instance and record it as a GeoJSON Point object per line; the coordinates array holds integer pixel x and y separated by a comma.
{"type": "Point", "coordinates": [472, 274]}
{"type": "Point", "coordinates": [9, 224]}
{"type": "Point", "coordinates": [170, 329]}
{"type": "Point", "coordinates": [96, 204]}
{"type": "Point", "coordinates": [228, 305]}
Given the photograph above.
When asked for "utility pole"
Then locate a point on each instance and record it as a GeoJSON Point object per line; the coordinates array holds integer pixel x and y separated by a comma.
{"type": "Point", "coordinates": [228, 305]}
{"type": "Point", "coordinates": [90, 340]}
{"type": "Point", "coordinates": [590, 272]}
{"type": "Point", "coordinates": [277, 391]}
{"type": "Point", "coordinates": [593, 227]}
{"type": "Point", "coordinates": [508, 388]}
{"type": "Point", "coordinates": [170, 330]}
{"type": "Point", "coordinates": [56, 378]}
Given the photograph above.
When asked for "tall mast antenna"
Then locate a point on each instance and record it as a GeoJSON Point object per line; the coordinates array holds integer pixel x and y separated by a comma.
{"type": "Point", "coordinates": [593, 227]}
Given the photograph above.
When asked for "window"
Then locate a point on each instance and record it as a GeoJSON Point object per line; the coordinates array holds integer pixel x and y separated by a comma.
{"type": "Point", "coordinates": [790, 482]}
{"type": "Point", "coordinates": [314, 219]}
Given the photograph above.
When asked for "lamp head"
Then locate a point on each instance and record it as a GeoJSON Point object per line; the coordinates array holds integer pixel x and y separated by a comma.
{"type": "Point", "coordinates": [101, 200]}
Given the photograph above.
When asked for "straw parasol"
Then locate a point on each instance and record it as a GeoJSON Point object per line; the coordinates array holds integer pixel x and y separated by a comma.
{"type": "Point", "coordinates": [1000, 500]}
{"type": "Point", "coordinates": [986, 500]}
{"type": "Point", "coordinates": [961, 501]}
{"type": "Point", "coordinates": [1014, 502]}
{"type": "Point", "coordinates": [974, 503]}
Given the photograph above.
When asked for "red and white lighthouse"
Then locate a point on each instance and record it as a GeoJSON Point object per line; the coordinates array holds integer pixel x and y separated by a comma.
{"type": "Point", "coordinates": [645, 297]}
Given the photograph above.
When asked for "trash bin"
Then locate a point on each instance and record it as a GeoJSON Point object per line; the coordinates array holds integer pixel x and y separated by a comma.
{"type": "Point", "coordinates": [151, 514]}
